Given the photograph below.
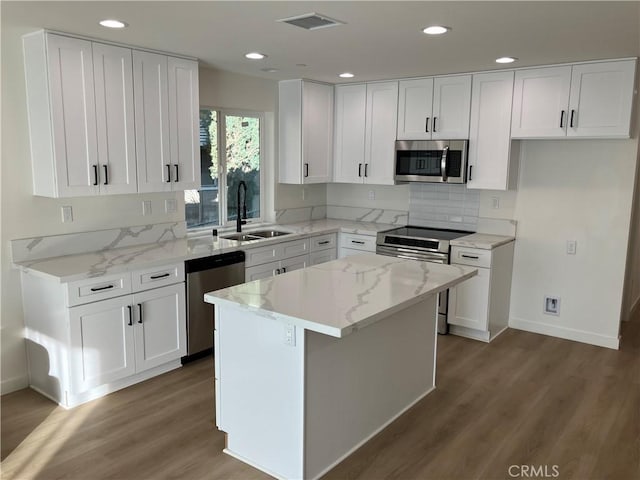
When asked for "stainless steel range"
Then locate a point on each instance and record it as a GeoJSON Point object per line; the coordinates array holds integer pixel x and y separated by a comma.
{"type": "Point", "coordinates": [421, 243]}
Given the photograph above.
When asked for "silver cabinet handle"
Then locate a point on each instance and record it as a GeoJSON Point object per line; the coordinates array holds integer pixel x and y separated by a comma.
{"type": "Point", "coordinates": [443, 161]}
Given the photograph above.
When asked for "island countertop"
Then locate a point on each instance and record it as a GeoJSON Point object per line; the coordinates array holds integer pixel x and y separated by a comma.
{"type": "Point", "coordinates": [340, 296]}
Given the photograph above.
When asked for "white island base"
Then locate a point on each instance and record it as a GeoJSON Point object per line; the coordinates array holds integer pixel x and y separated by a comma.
{"type": "Point", "coordinates": [294, 402]}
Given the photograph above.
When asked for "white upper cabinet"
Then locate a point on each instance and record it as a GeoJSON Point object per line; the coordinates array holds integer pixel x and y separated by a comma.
{"type": "Point", "coordinates": [365, 131]}
{"type": "Point", "coordinates": [350, 117]}
{"type": "Point", "coordinates": [490, 131]}
{"type": "Point", "coordinates": [601, 99]}
{"type": "Point", "coordinates": [62, 115]}
{"type": "Point", "coordinates": [90, 134]}
{"type": "Point", "coordinates": [434, 108]}
{"type": "Point", "coordinates": [167, 113]}
{"type": "Point", "coordinates": [113, 75]}
{"type": "Point", "coordinates": [305, 120]}
{"type": "Point", "coordinates": [415, 107]}
{"type": "Point", "coordinates": [152, 122]}
{"type": "Point", "coordinates": [184, 126]}
{"type": "Point", "coordinates": [584, 100]}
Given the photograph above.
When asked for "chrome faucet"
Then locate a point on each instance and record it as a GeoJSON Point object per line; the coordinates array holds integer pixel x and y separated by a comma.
{"type": "Point", "coordinates": [241, 221]}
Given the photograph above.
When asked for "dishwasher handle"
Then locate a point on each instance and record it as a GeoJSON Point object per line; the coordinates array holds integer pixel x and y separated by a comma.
{"type": "Point", "coordinates": [214, 261]}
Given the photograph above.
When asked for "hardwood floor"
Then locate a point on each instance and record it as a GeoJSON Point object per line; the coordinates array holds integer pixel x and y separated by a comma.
{"type": "Point", "coordinates": [525, 399]}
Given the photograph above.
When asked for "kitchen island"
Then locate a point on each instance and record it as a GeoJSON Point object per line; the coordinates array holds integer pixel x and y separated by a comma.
{"type": "Point", "coordinates": [311, 364]}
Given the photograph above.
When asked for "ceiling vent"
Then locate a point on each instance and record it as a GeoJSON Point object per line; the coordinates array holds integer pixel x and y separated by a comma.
{"type": "Point", "coordinates": [311, 21]}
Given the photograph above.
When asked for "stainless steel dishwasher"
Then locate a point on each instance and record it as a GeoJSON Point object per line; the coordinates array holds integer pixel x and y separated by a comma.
{"type": "Point", "coordinates": [205, 275]}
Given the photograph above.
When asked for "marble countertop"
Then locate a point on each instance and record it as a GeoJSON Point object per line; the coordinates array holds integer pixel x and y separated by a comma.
{"type": "Point", "coordinates": [70, 268]}
{"type": "Point", "coordinates": [483, 241]}
{"type": "Point", "coordinates": [338, 297]}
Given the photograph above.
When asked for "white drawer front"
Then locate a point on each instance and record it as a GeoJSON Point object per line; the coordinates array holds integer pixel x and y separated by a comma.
{"type": "Point", "coordinates": [157, 277]}
{"type": "Point", "coordinates": [100, 288]}
{"type": "Point", "coordinates": [358, 242]}
{"type": "Point", "coordinates": [471, 256]}
{"type": "Point", "coordinates": [323, 242]}
{"type": "Point", "coordinates": [260, 255]}
{"type": "Point", "coordinates": [322, 256]}
{"type": "Point", "coordinates": [295, 248]}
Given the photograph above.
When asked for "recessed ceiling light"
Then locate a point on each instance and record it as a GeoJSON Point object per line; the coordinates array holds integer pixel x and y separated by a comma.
{"type": "Point", "coordinates": [111, 23]}
{"type": "Point", "coordinates": [269, 70]}
{"type": "Point", "coordinates": [436, 30]}
{"type": "Point", "coordinates": [301, 64]}
{"type": "Point", "coordinates": [346, 75]}
{"type": "Point", "coordinates": [255, 56]}
{"type": "Point", "coordinates": [506, 59]}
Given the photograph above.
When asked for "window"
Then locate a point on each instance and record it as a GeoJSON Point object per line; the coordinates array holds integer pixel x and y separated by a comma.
{"type": "Point", "coordinates": [230, 152]}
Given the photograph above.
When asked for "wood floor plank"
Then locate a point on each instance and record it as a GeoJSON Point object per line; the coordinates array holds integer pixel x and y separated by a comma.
{"type": "Point", "coordinates": [524, 399]}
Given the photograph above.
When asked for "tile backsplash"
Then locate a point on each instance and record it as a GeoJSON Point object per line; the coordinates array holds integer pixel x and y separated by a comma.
{"type": "Point", "coordinates": [443, 206]}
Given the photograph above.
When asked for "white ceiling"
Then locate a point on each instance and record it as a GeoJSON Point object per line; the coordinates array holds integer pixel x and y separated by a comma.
{"type": "Point", "coordinates": [379, 40]}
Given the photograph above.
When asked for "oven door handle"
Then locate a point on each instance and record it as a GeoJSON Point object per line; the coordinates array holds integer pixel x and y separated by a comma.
{"type": "Point", "coordinates": [443, 163]}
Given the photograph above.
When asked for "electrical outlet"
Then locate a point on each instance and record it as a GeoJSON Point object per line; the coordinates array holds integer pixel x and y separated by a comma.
{"type": "Point", "coordinates": [372, 195]}
{"type": "Point", "coordinates": [67, 214]}
{"type": "Point", "coordinates": [572, 245]}
{"type": "Point", "coordinates": [146, 207]}
{"type": "Point", "coordinates": [495, 202]}
{"type": "Point", "coordinates": [551, 305]}
{"type": "Point", "coordinates": [290, 335]}
{"type": "Point", "coordinates": [170, 205]}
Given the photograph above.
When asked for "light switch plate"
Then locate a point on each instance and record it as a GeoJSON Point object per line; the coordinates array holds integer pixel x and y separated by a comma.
{"type": "Point", "coordinates": [67, 214]}
{"type": "Point", "coordinates": [170, 205]}
{"type": "Point", "coordinates": [146, 207]}
{"type": "Point", "coordinates": [572, 246]}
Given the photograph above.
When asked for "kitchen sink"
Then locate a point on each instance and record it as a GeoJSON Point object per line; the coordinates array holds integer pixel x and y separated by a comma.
{"type": "Point", "coordinates": [243, 237]}
{"type": "Point", "coordinates": [269, 233]}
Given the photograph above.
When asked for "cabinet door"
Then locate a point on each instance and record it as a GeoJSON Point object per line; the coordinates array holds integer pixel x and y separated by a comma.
{"type": "Point", "coordinates": [184, 118]}
{"type": "Point", "coordinates": [541, 102]}
{"type": "Point", "coordinates": [350, 116]}
{"type": "Point", "coordinates": [294, 263]}
{"type": "Point", "coordinates": [490, 131]}
{"type": "Point", "coordinates": [113, 72]}
{"type": "Point", "coordinates": [160, 326]}
{"type": "Point", "coordinates": [469, 302]}
{"type": "Point", "coordinates": [317, 132]}
{"type": "Point", "coordinates": [152, 122]}
{"type": "Point", "coordinates": [102, 343]}
{"type": "Point", "coordinates": [601, 99]}
{"type": "Point", "coordinates": [380, 138]}
{"type": "Point", "coordinates": [415, 102]}
{"type": "Point", "coordinates": [73, 115]}
{"type": "Point", "coordinates": [322, 256]}
{"type": "Point", "coordinates": [262, 271]}
{"type": "Point", "coordinates": [451, 107]}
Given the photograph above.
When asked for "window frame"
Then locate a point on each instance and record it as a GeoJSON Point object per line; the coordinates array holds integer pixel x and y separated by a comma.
{"type": "Point", "coordinates": [222, 113]}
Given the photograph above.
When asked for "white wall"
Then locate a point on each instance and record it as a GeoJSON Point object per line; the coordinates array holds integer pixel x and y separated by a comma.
{"type": "Point", "coordinates": [631, 299]}
{"type": "Point", "coordinates": [573, 190]}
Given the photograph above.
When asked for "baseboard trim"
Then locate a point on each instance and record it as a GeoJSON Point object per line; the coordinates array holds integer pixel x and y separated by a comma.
{"type": "Point", "coordinates": [565, 333]}
{"type": "Point", "coordinates": [14, 384]}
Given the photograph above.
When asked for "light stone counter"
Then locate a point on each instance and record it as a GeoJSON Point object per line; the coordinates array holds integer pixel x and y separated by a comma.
{"type": "Point", "coordinates": [483, 241]}
{"type": "Point", "coordinates": [338, 297]}
{"type": "Point", "coordinates": [113, 258]}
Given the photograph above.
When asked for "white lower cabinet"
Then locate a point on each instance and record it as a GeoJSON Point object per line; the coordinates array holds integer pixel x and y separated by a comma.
{"type": "Point", "coordinates": [322, 256]}
{"type": "Point", "coordinates": [79, 352]}
{"type": "Point", "coordinates": [272, 269]}
{"type": "Point", "coordinates": [356, 244]}
{"type": "Point", "coordinates": [479, 306]}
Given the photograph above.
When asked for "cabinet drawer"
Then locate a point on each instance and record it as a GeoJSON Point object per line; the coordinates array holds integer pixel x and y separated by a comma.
{"type": "Point", "coordinates": [294, 248]}
{"type": "Point", "coordinates": [323, 242]}
{"type": "Point", "coordinates": [358, 242]}
{"type": "Point", "coordinates": [471, 256]}
{"type": "Point", "coordinates": [275, 252]}
{"type": "Point", "coordinates": [322, 256]}
{"type": "Point", "coordinates": [94, 289]}
{"type": "Point", "coordinates": [157, 277]}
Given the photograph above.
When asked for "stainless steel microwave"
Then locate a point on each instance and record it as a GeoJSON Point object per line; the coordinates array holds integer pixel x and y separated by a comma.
{"type": "Point", "coordinates": [431, 161]}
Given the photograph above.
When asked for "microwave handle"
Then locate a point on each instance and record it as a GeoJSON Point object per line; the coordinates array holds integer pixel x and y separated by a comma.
{"type": "Point", "coordinates": [443, 163]}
